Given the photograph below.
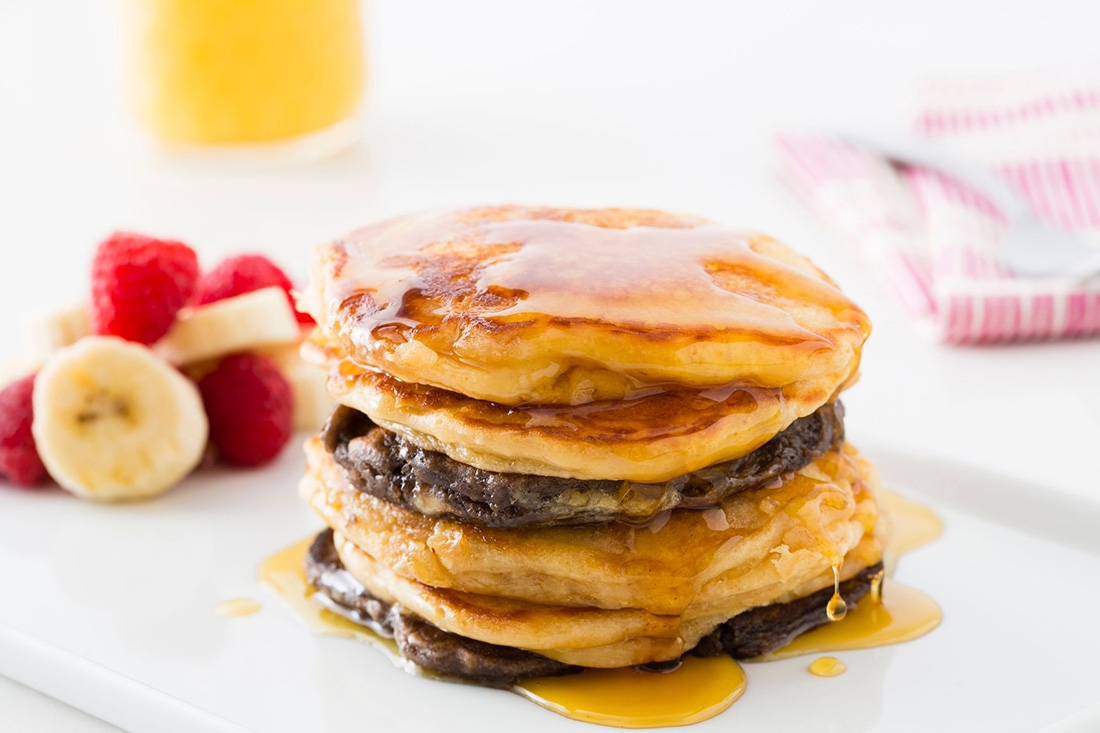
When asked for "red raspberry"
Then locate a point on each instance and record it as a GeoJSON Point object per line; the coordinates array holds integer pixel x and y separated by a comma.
{"type": "Point", "coordinates": [243, 274]}
{"type": "Point", "coordinates": [139, 285]}
{"type": "Point", "coordinates": [249, 404]}
{"type": "Point", "coordinates": [18, 458]}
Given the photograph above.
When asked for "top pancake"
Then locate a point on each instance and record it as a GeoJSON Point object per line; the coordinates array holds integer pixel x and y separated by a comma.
{"type": "Point", "coordinates": [522, 305]}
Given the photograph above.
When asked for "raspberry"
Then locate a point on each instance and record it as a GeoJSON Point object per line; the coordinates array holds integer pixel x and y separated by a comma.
{"type": "Point", "coordinates": [139, 285]}
{"type": "Point", "coordinates": [243, 274]}
{"type": "Point", "coordinates": [18, 458]}
{"type": "Point", "coordinates": [249, 405]}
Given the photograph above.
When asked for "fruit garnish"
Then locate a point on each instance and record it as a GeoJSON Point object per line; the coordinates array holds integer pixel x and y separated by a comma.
{"type": "Point", "coordinates": [243, 274]}
{"type": "Point", "coordinates": [19, 461]}
{"type": "Point", "coordinates": [113, 421]}
{"type": "Point", "coordinates": [139, 284]}
{"type": "Point", "coordinates": [115, 413]}
{"type": "Point", "coordinates": [59, 329]}
{"type": "Point", "coordinates": [250, 407]}
{"type": "Point", "coordinates": [312, 401]}
{"type": "Point", "coordinates": [254, 320]}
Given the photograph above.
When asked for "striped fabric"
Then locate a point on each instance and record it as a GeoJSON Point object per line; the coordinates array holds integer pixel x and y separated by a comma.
{"type": "Point", "coordinates": [934, 241]}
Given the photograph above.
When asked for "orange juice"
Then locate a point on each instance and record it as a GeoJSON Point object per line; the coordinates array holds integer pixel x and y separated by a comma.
{"type": "Point", "coordinates": [242, 71]}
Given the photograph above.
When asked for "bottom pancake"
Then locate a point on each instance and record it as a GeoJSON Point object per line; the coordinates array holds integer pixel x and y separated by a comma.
{"type": "Point", "coordinates": [749, 634]}
{"type": "Point", "coordinates": [418, 641]}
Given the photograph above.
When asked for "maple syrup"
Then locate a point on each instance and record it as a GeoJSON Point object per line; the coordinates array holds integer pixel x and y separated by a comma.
{"type": "Point", "coordinates": [837, 608]}
{"type": "Point", "coordinates": [543, 269]}
{"type": "Point", "coordinates": [827, 667]}
{"type": "Point", "coordinates": [890, 613]}
{"type": "Point", "coordinates": [284, 573]}
{"type": "Point", "coordinates": [236, 607]}
{"type": "Point", "coordinates": [426, 298]}
{"type": "Point", "coordinates": [912, 525]}
{"type": "Point", "coordinates": [901, 614]}
{"type": "Point", "coordinates": [698, 688]}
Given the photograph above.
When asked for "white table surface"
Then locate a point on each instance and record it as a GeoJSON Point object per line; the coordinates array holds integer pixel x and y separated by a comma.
{"type": "Point", "coordinates": [577, 103]}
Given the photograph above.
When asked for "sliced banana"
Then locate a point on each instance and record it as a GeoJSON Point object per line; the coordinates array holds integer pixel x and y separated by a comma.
{"type": "Point", "coordinates": [58, 330]}
{"type": "Point", "coordinates": [112, 421]}
{"type": "Point", "coordinates": [312, 401]}
{"type": "Point", "coordinates": [242, 323]}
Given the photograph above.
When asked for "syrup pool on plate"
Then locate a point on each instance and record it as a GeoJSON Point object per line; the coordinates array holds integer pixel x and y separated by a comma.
{"type": "Point", "coordinates": [900, 614]}
{"type": "Point", "coordinates": [236, 607]}
{"type": "Point", "coordinates": [827, 667]}
{"type": "Point", "coordinates": [285, 574]}
{"type": "Point", "coordinates": [694, 691]}
{"type": "Point", "coordinates": [697, 688]}
{"type": "Point", "coordinates": [891, 613]}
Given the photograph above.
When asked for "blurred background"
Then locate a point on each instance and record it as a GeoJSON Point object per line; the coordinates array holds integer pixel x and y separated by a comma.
{"type": "Point", "coordinates": [658, 104]}
{"type": "Point", "coordinates": [578, 103]}
{"type": "Point", "coordinates": [572, 102]}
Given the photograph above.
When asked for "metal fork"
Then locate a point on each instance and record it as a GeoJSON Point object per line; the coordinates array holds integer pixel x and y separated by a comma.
{"type": "Point", "coordinates": [1031, 247]}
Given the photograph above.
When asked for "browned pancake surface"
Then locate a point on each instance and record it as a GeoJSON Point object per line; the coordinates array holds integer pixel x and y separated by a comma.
{"type": "Point", "coordinates": [536, 305]}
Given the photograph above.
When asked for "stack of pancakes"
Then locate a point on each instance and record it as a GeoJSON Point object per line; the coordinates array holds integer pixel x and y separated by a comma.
{"type": "Point", "coordinates": [583, 438]}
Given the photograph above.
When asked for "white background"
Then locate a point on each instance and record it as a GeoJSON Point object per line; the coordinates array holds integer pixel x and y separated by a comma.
{"type": "Point", "coordinates": [576, 103]}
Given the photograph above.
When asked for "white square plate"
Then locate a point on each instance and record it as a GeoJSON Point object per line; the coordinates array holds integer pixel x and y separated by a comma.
{"type": "Point", "coordinates": [111, 609]}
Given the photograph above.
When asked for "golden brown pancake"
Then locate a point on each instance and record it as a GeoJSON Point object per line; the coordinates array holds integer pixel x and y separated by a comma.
{"type": "Point", "coordinates": [386, 465]}
{"type": "Point", "coordinates": [617, 345]}
{"type": "Point", "coordinates": [585, 636]}
{"type": "Point", "coordinates": [524, 305]}
{"type": "Point", "coordinates": [651, 437]}
{"type": "Point", "coordinates": [612, 594]}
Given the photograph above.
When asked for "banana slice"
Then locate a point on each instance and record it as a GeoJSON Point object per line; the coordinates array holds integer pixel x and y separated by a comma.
{"type": "Point", "coordinates": [312, 401]}
{"type": "Point", "coordinates": [242, 323]}
{"type": "Point", "coordinates": [112, 421]}
{"type": "Point", "coordinates": [58, 330]}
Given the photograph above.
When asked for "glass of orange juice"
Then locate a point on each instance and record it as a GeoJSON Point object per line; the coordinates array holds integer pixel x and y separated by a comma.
{"type": "Point", "coordinates": [243, 72]}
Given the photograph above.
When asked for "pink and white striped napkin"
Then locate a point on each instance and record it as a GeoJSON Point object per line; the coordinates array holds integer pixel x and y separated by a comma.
{"type": "Point", "coordinates": [935, 241]}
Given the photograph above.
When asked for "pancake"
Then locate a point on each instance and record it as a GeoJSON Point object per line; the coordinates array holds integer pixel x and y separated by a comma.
{"type": "Point", "coordinates": [746, 551]}
{"type": "Point", "coordinates": [523, 305]}
{"type": "Point", "coordinates": [583, 438]}
{"type": "Point", "coordinates": [426, 645]}
{"type": "Point", "coordinates": [752, 633]}
{"type": "Point", "coordinates": [582, 636]}
{"type": "Point", "coordinates": [652, 437]}
{"type": "Point", "coordinates": [390, 467]}
{"type": "Point", "coordinates": [614, 594]}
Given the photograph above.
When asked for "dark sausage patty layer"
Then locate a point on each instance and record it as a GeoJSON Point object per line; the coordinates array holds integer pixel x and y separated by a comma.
{"type": "Point", "coordinates": [390, 467]}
